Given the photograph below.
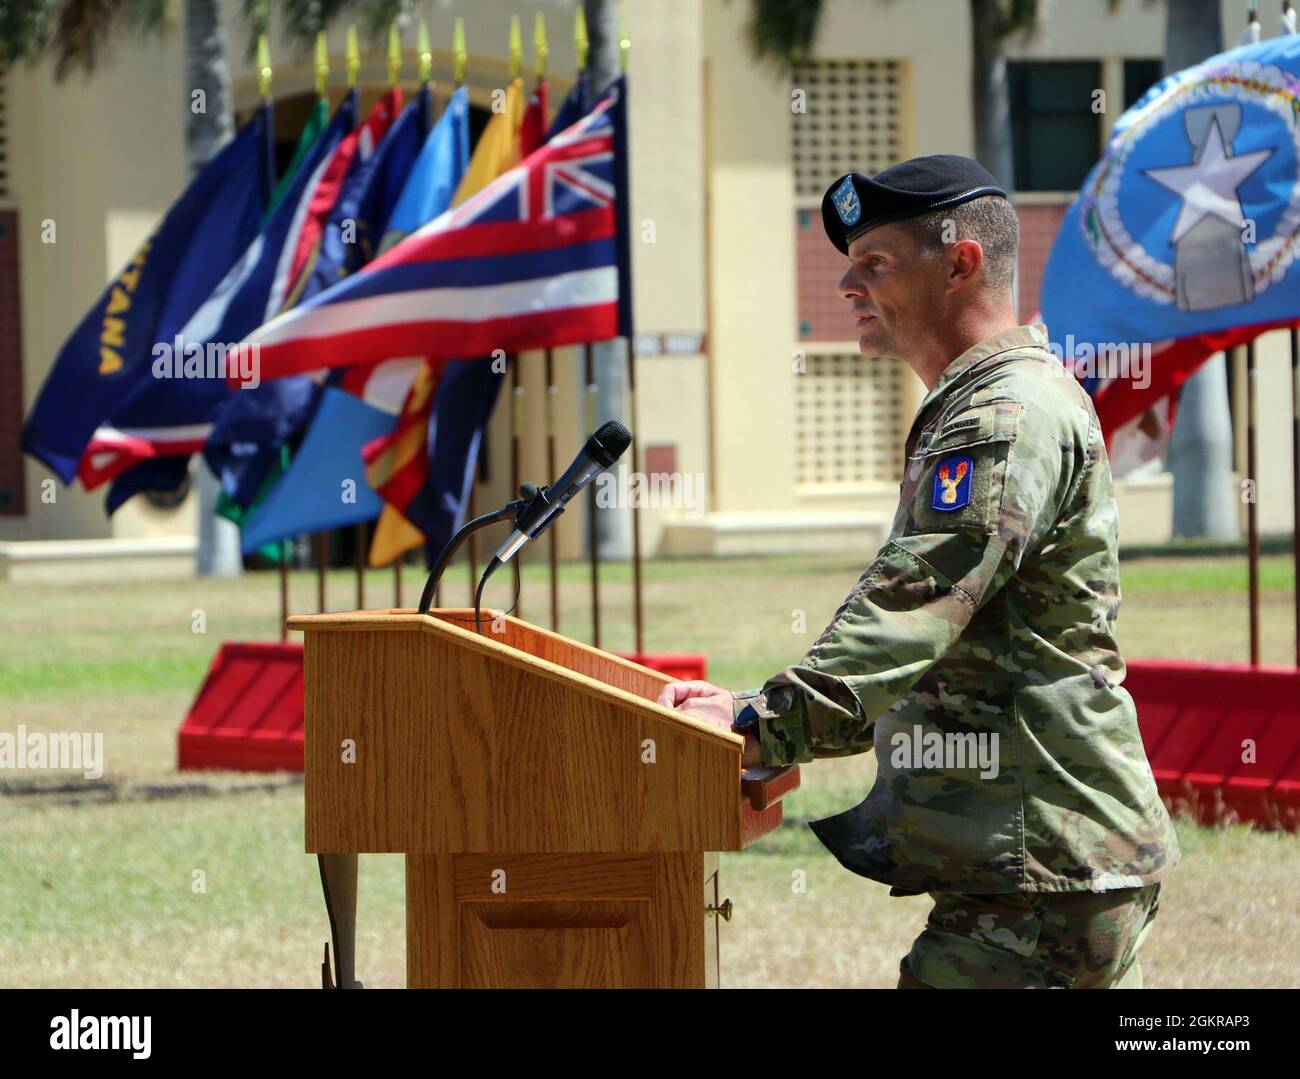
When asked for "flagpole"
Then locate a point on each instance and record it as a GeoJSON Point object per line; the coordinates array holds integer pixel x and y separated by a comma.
{"type": "Point", "coordinates": [284, 590]}
{"type": "Point", "coordinates": [424, 53]}
{"type": "Point", "coordinates": [516, 449]}
{"type": "Point", "coordinates": [394, 75]}
{"type": "Point", "coordinates": [593, 532]}
{"type": "Point", "coordinates": [540, 53]}
{"type": "Point", "coordinates": [582, 47]}
{"type": "Point", "coordinates": [1252, 521]}
{"type": "Point", "coordinates": [459, 54]}
{"type": "Point", "coordinates": [516, 385]}
{"type": "Point", "coordinates": [322, 66]}
{"type": "Point", "coordinates": [638, 612]}
{"type": "Point", "coordinates": [637, 609]}
{"type": "Point", "coordinates": [264, 73]}
{"type": "Point", "coordinates": [321, 540]}
{"type": "Point", "coordinates": [394, 55]}
{"type": "Point", "coordinates": [353, 55]}
{"type": "Point", "coordinates": [552, 391]}
{"type": "Point", "coordinates": [473, 540]}
{"type": "Point", "coordinates": [285, 548]}
{"type": "Point", "coordinates": [359, 562]}
{"type": "Point", "coordinates": [1295, 480]}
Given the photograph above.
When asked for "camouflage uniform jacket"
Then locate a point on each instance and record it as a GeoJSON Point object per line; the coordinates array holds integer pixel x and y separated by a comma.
{"type": "Point", "coordinates": [988, 612]}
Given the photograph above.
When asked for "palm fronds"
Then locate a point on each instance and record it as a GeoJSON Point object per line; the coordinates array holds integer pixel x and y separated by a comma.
{"type": "Point", "coordinates": [782, 31]}
{"type": "Point", "coordinates": [83, 28]}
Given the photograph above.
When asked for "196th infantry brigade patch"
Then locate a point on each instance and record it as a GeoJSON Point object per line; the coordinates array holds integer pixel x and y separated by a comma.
{"type": "Point", "coordinates": [952, 478]}
{"type": "Point", "coordinates": [846, 202]}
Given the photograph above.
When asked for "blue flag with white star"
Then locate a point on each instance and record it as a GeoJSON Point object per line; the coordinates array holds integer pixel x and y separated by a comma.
{"type": "Point", "coordinates": [1190, 222]}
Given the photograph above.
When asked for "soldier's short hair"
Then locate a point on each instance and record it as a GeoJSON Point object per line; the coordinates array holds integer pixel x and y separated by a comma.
{"type": "Point", "coordinates": [991, 221]}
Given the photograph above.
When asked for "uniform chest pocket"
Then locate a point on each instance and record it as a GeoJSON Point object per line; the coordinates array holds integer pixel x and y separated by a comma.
{"type": "Point", "coordinates": [956, 478]}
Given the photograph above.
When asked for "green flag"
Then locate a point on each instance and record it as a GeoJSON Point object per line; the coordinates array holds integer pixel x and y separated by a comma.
{"type": "Point", "coordinates": [311, 131]}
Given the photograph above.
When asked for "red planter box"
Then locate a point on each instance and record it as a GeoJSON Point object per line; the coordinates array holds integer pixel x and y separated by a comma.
{"type": "Point", "coordinates": [1201, 722]}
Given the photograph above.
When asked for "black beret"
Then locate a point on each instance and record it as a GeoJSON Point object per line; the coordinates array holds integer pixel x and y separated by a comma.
{"type": "Point", "coordinates": [855, 204]}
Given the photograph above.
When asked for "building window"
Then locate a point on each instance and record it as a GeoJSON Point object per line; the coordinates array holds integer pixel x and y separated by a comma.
{"type": "Point", "coordinates": [1055, 134]}
{"type": "Point", "coordinates": [847, 419]}
{"type": "Point", "coordinates": [845, 116]}
{"type": "Point", "coordinates": [1139, 77]}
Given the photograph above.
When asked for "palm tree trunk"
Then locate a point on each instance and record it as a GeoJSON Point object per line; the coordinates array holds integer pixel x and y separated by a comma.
{"type": "Point", "coordinates": [1200, 448]}
{"type": "Point", "coordinates": [609, 358]}
{"type": "Point", "coordinates": [992, 103]}
{"type": "Point", "coordinates": [209, 123]}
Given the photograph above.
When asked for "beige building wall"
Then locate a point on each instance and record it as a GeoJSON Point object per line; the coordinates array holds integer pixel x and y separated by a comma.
{"type": "Point", "coordinates": [669, 283]}
{"type": "Point", "coordinates": [751, 288]}
{"type": "Point", "coordinates": [1273, 405]}
{"type": "Point", "coordinates": [714, 203]}
{"type": "Point", "coordinates": [87, 159]}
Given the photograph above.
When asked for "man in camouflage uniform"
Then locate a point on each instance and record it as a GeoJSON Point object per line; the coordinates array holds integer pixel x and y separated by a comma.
{"type": "Point", "coordinates": [975, 654]}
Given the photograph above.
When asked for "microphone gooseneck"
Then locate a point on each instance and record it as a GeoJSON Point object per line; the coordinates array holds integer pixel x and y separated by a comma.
{"type": "Point", "coordinates": [534, 512]}
{"type": "Point", "coordinates": [492, 567]}
{"type": "Point", "coordinates": [444, 559]}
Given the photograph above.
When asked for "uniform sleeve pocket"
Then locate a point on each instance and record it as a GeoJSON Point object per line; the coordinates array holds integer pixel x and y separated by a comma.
{"type": "Point", "coordinates": [962, 471]}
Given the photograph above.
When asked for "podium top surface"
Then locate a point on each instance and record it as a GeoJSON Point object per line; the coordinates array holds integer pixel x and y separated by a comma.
{"type": "Point", "coordinates": [526, 646]}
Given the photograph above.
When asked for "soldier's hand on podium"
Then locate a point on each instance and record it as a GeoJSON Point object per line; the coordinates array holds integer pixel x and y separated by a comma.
{"type": "Point", "coordinates": [703, 700]}
{"type": "Point", "coordinates": [708, 702]}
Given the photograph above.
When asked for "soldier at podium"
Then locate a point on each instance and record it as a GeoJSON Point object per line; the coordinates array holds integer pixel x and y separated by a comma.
{"type": "Point", "coordinates": [975, 654]}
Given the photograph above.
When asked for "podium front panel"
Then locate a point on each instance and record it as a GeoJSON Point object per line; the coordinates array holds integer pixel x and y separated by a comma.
{"type": "Point", "coordinates": [450, 742]}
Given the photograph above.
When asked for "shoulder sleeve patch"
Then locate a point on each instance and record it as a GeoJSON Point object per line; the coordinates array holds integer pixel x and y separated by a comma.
{"type": "Point", "coordinates": [953, 477]}
{"type": "Point", "coordinates": [955, 482]}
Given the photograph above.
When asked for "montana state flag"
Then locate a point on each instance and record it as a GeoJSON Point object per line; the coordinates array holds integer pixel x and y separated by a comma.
{"type": "Point", "coordinates": [110, 353]}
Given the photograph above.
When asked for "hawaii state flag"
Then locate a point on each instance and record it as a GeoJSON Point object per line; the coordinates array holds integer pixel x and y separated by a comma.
{"type": "Point", "coordinates": [531, 261]}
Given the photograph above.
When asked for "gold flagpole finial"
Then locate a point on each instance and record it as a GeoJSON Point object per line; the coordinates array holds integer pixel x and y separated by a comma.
{"type": "Point", "coordinates": [263, 67]}
{"type": "Point", "coordinates": [624, 42]}
{"type": "Point", "coordinates": [580, 41]}
{"type": "Point", "coordinates": [516, 47]}
{"type": "Point", "coordinates": [322, 64]}
{"type": "Point", "coordinates": [458, 50]}
{"type": "Point", "coordinates": [354, 57]}
{"type": "Point", "coordinates": [394, 55]}
{"type": "Point", "coordinates": [426, 53]}
{"type": "Point", "coordinates": [540, 49]}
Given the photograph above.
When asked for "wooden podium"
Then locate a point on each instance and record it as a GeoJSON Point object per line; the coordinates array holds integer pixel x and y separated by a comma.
{"type": "Point", "coordinates": [559, 826]}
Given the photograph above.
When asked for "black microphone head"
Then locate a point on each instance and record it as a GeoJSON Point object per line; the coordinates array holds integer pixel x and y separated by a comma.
{"type": "Point", "coordinates": [609, 443]}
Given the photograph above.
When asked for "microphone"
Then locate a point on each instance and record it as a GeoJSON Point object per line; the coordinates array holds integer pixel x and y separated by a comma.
{"type": "Point", "coordinates": [603, 448]}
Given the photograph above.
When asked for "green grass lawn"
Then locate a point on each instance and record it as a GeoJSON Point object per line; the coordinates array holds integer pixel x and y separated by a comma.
{"type": "Point", "coordinates": [110, 893]}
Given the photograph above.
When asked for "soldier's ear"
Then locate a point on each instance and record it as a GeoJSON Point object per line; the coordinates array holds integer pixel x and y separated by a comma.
{"type": "Point", "coordinates": [965, 257]}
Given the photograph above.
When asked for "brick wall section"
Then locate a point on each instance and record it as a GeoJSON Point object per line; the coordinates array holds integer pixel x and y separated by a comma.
{"type": "Point", "coordinates": [824, 316]}
{"type": "Point", "coordinates": [1038, 228]}
{"type": "Point", "coordinates": [12, 494]}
